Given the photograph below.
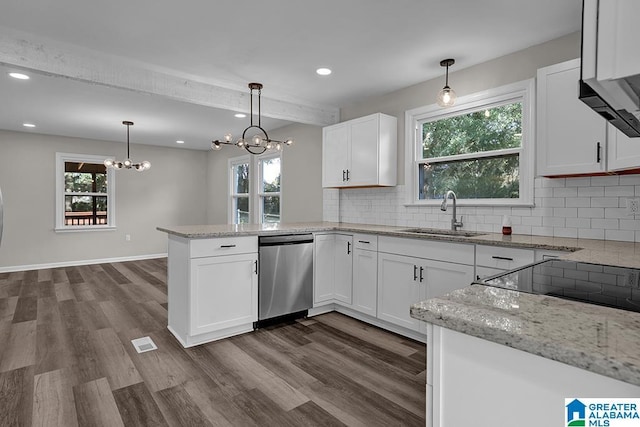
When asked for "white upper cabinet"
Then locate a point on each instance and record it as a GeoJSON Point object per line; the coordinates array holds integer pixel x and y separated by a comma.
{"type": "Point", "coordinates": [572, 139]}
{"type": "Point", "coordinates": [360, 152]}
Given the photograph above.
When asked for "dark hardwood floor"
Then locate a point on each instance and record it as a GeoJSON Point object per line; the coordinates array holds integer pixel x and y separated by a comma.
{"type": "Point", "coordinates": [66, 359]}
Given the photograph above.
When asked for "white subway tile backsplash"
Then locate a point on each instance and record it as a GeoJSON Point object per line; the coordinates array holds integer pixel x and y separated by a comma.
{"type": "Point", "coordinates": [591, 212]}
{"type": "Point", "coordinates": [605, 180]}
{"type": "Point", "coordinates": [577, 202]}
{"type": "Point", "coordinates": [590, 233]}
{"type": "Point", "coordinates": [565, 212]}
{"type": "Point", "coordinates": [604, 202]}
{"type": "Point", "coordinates": [623, 235]}
{"type": "Point", "coordinates": [606, 224]}
{"type": "Point", "coordinates": [565, 232]}
{"type": "Point", "coordinates": [565, 192]}
{"type": "Point", "coordinates": [620, 191]}
{"type": "Point", "coordinates": [578, 222]}
{"type": "Point", "coordinates": [591, 192]}
{"type": "Point", "coordinates": [630, 180]}
{"type": "Point", "coordinates": [584, 207]}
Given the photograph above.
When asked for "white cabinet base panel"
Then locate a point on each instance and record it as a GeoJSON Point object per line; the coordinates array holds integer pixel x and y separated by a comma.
{"type": "Point", "coordinates": [500, 386]}
{"type": "Point", "coordinates": [192, 340]}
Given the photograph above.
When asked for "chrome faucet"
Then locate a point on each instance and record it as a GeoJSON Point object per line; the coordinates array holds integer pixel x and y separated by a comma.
{"type": "Point", "coordinates": [455, 224]}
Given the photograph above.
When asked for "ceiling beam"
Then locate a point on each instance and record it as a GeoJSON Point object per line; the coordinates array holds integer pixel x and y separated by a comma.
{"type": "Point", "coordinates": [27, 52]}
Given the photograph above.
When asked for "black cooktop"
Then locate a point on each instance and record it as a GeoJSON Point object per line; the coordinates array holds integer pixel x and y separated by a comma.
{"type": "Point", "coordinates": [606, 285]}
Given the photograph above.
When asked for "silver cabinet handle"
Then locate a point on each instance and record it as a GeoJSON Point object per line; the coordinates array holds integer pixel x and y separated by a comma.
{"type": "Point", "coordinates": [227, 246]}
{"type": "Point", "coordinates": [348, 248]}
{"type": "Point", "coordinates": [421, 271]}
{"type": "Point", "coordinates": [364, 241]}
{"type": "Point", "coordinates": [256, 266]}
{"type": "Point", "coordinates": [415, 273]}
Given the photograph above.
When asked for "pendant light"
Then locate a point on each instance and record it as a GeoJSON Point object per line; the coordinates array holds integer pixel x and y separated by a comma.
{"type": "Point", "coordinates": [447, 96]}
{"type": "Point", "coordinates": [260, 142]}
{"type": "Point", "coordinates": [127, 163]}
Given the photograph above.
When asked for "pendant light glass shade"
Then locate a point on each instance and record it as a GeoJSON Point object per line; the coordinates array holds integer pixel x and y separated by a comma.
{"type": "Point", "coordinates": [446, 96]}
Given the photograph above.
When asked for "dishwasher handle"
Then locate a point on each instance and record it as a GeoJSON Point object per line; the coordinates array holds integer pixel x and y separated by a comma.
{"type": "Point", "coordinates": [285, 239]}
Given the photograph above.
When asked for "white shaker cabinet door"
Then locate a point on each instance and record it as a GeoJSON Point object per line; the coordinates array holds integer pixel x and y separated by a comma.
{"type": "Point", "coordinates": [398, 288]}
{"type": "Point", "coordinates": [571, 137]}
{"type": "Point", "coordinates": [335, 155]}
{"type": "Point", "coordinates": [365, 281]}
{"type": "Point", "coordinates": [224, 292]}
{"type": "Point", "coordinates": [343, 268]}
{"type": "Point", "coordinates": [364, 151]}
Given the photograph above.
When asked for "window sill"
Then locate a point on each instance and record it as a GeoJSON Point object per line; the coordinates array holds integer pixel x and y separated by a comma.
{"type": "Point", "coordinates": [470, 203]}
{"type": "Point", "coordinates": [76, 229]}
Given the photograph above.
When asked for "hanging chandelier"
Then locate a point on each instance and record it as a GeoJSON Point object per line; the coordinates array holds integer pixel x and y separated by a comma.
{"type": "Point", "coordinates": [446, 96]}
{"type": "Point", "coordinates": [260, 142]}
{"type": "Point", "coordinates": [127, 163]}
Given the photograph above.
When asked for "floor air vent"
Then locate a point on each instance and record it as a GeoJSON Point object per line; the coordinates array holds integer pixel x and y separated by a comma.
{"type": "Point", "coordinates": [144, 344]}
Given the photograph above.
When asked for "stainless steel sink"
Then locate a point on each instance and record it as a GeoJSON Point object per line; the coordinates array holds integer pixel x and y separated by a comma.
{"type": "Point", "coordinates": [440, 232]}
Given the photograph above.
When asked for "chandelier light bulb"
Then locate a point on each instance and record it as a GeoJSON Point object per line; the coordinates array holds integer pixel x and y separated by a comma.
{"type": "Point", "coordinates": [108, 163]}
{"type": "Point", "coordinates": [146, 165]}
{"type": "Point", "coordinates": [127, 163]}
{"type": "Point", "coordinates": [259, 143]}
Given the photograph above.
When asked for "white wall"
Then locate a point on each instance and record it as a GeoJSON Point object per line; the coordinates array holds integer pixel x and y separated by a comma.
{"type": "Point", "coordinates": [301, 176]}
{"type": "Point", "coordinates": [172, 192]}
{"type": "Point", "coordinates": [589, 207]}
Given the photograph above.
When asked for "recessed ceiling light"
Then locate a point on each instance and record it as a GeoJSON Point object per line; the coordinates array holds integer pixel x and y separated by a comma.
{"type": "Point", "coordinates": [240, 115]}
{"type": "Point", "coordinates": [323, 71]}
{"type": "Point", "coordinates": [28, 125]}
{"type": "Point", "coordinates": [19, 76]}
{"type": "Point", "coordinates": [179, 142]}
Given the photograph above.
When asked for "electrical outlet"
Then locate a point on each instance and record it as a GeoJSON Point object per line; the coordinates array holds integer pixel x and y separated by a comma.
{"type": "Point", "coordinates": [633, 206]}
{"type": "Point", "coordinates": [127, 237]}
{"type": "Point", "coordinates": [632, 279]}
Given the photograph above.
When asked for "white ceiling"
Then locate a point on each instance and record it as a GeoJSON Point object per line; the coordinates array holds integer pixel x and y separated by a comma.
{"type": "Point", "coordinates": [373, 47]}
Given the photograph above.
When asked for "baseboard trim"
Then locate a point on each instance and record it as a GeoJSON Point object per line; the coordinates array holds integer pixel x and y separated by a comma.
{"type": "Point", "coordinates": [11, 269]}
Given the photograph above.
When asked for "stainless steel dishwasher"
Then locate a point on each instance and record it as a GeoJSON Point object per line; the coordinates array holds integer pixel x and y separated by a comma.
{"type": "Point", "coordinates": [285, 283]}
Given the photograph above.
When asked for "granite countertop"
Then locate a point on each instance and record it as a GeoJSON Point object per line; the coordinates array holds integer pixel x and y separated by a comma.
{"type": "Point", "coordinates": [599, 339]}
{"type": "Point", "coordinates": [595, 338]}
{"type": "Point", "coordinates": [623, 254]}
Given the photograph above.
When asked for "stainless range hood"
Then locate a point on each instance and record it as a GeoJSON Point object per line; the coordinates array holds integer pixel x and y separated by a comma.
{"type": "Point", "coordinates": [610, 73]}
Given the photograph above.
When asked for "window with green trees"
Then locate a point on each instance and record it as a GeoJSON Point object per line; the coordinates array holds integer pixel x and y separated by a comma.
{"type": "Point", "coordinates": [480, 150]}
{"type": "Point", "coordinates": [255, 189]}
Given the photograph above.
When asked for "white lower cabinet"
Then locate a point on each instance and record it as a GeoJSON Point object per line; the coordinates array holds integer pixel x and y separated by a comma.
{"type": "Point", "coordinates": [333, 269]}
{"type": "Point", "coordinates": [405, 279]}
{"type": "Point", "coordinates": [398, 288]}
{"type": "Point", "coordinates": [492, 260]}
{"type": "Point", "coordinates": [212, 288]}
{"type": "Point", "coordinates": [224, 292]}
{"type": "Point", "coordinates": [365, 281]}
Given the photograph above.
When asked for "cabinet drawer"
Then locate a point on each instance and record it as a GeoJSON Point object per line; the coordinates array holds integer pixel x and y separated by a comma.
{"type": "Point", "coordinates": [503, 258]}
{"type": "Point", "coordinates": [223, 246]}
{"type": "Point", "coordinates": [459, 253]}
{"type": "Point", "coordinates": [365, 241]}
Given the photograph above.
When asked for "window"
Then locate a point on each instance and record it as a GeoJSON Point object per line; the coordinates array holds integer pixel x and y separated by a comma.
{"type": "Point", "coordinates": [269, 189]}
{"type": "Point", "coordinates": [255, 189]}
{"type": "Point", "coordinates": [481, 149]}
{"type": "Point", "coordinates": [240, 213]}
{"type": "Point", "coordinates": [84, 193]}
